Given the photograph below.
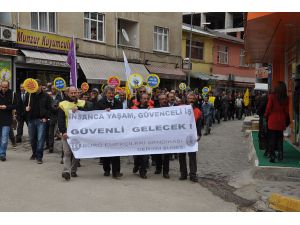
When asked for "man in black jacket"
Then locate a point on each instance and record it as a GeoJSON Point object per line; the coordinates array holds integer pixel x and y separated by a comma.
{"type": "Point", "coordinates": [38, 113]}
{"type": "Point", "coordinates": [7, 105]}
{"type": "Point", "coordinates": [141, 161]}
{"type": "Point", "coordinates": [21, 113]}
{"type": "Point", "coordinates": [162, 161]}
{"type": "Point", "coordinates": [107, 103]}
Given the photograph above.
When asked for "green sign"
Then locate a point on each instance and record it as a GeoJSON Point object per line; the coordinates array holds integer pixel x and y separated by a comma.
{"type": "Point", "coordinates": [5, 71]}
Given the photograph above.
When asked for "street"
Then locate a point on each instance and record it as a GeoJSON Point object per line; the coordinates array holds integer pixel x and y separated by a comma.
{"type": "Point", "coordinates": [223, 170]}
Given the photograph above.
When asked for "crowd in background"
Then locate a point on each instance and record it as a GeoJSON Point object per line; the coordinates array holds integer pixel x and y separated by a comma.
{"type": "Point", "coordinates": [44, 113]}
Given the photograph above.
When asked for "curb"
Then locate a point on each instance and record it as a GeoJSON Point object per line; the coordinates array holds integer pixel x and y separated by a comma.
{"type": "Point", "coordinates": [284, 203]}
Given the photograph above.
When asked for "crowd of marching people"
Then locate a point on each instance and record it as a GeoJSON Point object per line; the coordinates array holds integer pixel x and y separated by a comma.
{"type": "Point", "coordinates": [46, 115]}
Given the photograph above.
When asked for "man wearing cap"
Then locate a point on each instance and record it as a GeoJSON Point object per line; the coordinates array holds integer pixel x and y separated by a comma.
{"type": "Point", "coordinates": [38, 112]}
{"type": "Point", "coordinates": [7, 105]}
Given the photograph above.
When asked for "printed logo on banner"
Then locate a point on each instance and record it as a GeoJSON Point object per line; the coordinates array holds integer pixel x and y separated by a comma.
{"type": "Point", "coordinates": [191, 140]}
{"type": "Point", "coordinates": [75, 144]}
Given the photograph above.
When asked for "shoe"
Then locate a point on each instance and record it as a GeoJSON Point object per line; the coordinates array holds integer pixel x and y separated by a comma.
{"type": "Point", "coordinates": [47, 147]}
{"type": "Point", "coordinates": [117, 175]}
{"type": "Point", "coordinates": [272, 159]}
{"type": "Point", "coordinates": [194, 179]}
{"type": "Point", "coordinates": [182, 177]}
{"type": "Point", "coordinates": [18, 140]}
{"type": "Point", "coordinates": [50, 150]}
{"type": "Point", "coordinates": [107, 173]}
{"type": "Point", "coordinates": [14, 145]}
{"type": "Point", "coordinates": [135, 169]}
{"type": "Point", "coordinates": [78, 164]}
{"type": "Point", "coordinates": [167, 176]}
{"type": "Point", "coordinates": [143, 176]}
{"type": "Point", "coordinates": [74, 174]}
{"type": "Point", "coordinates": [62, 161]}
{"type": "Point", "coordinates": [66, 175]}
{"type": "Point", "coordinates": [33, 157]}
{"type": "Point", "coordinates": [157, 172]}
{"type": "Point", "coordinates": [39, 161]}
{"type": "Point", "coordinates": [3, 158]}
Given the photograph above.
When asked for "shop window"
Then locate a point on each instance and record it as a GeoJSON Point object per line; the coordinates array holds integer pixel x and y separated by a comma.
{"type": "Point", "coordinates": [197, 50]}
{"type": "Point", "coordinates": [242, 58]}
{"type": "Point", "coordinates": [222, 54]}
{"type": "Point", "coordinates": [94, 26]}
{"type": "Point", "coordinates": [43, 21]}
{"type": "Point", "coordinates": [128, 34]}
{"type": "Point", "coordinates": [161, 39]}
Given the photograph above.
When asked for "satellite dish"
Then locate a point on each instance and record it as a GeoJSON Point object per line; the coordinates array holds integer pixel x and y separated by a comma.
{"type": "Point", "coordinates": [125, 35]}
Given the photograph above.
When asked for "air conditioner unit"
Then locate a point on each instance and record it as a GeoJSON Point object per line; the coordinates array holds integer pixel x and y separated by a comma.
{"type": "Point", "coordinates": [8, 34]}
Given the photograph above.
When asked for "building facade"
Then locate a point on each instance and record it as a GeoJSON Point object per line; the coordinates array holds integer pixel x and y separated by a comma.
{"type": "Point", "coordinates": [218, 60]}
{"type": "Point", "coordinates": [151, 42]}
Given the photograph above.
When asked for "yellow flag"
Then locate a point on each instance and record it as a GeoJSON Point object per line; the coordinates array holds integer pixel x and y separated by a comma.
{"type": "Point", "coordinates": [246, 98]}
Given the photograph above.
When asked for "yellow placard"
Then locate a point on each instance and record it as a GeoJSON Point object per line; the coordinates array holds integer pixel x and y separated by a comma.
{"type": "Point", "coordinates": [135, 80]}
{"type": "Point", "coordinates": [43, 40]}
{"type": "Point", "coordinates": [30, 85]}
{"type": "Point", "coordinates": [182, 86]}
{"type": "Point", "coordinates": [59, 83]}
{"type": "Point", "coordinates": [85, 87]}
{"type": "Point", "coordinates": [114, 81]}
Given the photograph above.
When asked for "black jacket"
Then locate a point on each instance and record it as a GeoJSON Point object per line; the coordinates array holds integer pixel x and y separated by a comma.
{"type": "Point", "coordinates": [54, 107]}
{"type": "Point", "coordinates": [10, 102]}
{"type": "Point", "coordinates": [218, 102]}
{"type": "Point", "coordinates": [104, 104]}
{"type": "Point", "coordinates": [40, 106]}
{"type": "Point", "coordinates": [21, 112]}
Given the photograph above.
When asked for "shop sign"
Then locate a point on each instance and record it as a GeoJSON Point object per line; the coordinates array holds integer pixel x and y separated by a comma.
{"type": "Point", "coordinates": [46, 62]}
{"type": "Point", "coordinates": [43, 40]}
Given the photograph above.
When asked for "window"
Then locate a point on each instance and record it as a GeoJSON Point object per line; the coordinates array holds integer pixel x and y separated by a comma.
{"type": "Point", "coordinates": [128, 33]}
{"type": "Point", "coordinates": [161, 39]}
{"type": "Point", "coordinates": [197, 49]}
{"type": "Point", "coordinates": [94, 26]}
{"type": "Point", "coordinates": [222, 54]}
{"type": "Point", "coordinates": [43, 21]}
{"type": "Point", "coordinates": [242, 58]}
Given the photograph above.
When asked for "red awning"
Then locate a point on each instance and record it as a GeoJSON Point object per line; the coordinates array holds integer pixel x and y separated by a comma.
{"type": "Point", "coordinates": [167, 73]}
{"type": "Point", "coordinates": [8, 51]}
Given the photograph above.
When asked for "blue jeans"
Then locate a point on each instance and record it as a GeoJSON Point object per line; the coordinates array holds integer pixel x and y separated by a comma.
{"type": "Point", "coordinates": [4, 134]}
{"type": "Point", "coordinates": [37, 132]}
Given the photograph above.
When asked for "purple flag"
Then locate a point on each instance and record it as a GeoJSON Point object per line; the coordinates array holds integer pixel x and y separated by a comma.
{"type": "Point", "coordinates": [73, 65]}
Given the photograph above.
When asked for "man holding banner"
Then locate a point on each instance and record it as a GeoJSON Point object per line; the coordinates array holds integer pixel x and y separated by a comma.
{"type": "Point", "coordinates": [70, 163]}
{"type": "Point", "coordinates": [107, 103]}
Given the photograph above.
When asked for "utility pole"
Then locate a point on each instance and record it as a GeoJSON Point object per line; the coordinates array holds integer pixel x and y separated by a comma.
{"type": "Point", "coordinates": [190, 51]}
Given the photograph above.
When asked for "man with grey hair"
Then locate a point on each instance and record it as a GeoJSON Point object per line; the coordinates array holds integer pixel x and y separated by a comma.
{"type": "Point", "coordinates": [7, 105]}
{"type": "Point", "coordinates": [108, 102]}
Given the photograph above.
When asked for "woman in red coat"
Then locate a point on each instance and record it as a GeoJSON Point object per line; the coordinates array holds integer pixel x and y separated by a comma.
{"type": "Point", "coordinates": [277, 115]}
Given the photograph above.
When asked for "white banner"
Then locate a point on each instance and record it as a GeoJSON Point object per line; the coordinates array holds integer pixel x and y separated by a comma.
{"type": "Point", "coordinates": [132, 132]}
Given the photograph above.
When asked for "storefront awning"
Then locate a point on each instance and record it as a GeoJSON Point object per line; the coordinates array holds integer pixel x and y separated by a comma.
{"type": "Point", "coordinates": [167, 73]}
{"type": "Point", "coordinates": [42, 58]}
{"type": "Point", "coordinates": [203, 76]}
{"type": "Point", "coordinates": [96, 70]}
